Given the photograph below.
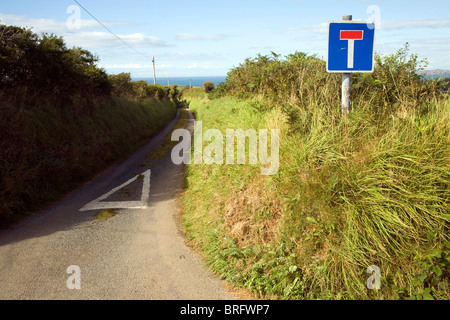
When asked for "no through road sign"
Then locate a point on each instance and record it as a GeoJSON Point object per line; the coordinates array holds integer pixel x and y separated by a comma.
{"type": "Point", "coordinates": [350, 46]}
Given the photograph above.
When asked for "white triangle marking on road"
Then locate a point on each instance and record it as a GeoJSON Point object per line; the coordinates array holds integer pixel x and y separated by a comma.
{"type": "Point", "coordinates": [99, 204]}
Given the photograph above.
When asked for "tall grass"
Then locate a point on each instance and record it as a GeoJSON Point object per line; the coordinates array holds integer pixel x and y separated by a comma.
{"type": "Point", "coordinates": [370, 189]}
{"type": "Point", "coordinates": [45, 152]}
{"type": "Point", "coordinates": [370, 196]}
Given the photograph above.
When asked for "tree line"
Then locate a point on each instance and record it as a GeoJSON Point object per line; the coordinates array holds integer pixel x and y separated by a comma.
{"type": "Point", "coordinates": [40, 70]}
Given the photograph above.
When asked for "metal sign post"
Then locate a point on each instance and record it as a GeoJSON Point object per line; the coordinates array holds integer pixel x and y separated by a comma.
{"type": "Point", "coordinates": [350, 49]}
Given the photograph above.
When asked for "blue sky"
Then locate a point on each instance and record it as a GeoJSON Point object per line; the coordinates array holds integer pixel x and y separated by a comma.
{"type": "Point", "coordinates": [208, 38]}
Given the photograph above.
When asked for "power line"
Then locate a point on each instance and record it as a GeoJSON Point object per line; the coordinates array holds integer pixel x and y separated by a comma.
{"type": "Point", "coordinates": [109, 30]}
{"type": "Point", "coordinates": [119, 38]}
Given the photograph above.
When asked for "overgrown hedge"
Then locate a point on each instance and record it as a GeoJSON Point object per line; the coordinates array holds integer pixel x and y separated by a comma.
{"type": "Point", "coordinates": [41, 70]}
{"type": "Point", "coordinates": [62, 118]}
{"type": "Point", "coordinates": [300, 81]}
{"type": "Point", "coordinates": [123, 86]}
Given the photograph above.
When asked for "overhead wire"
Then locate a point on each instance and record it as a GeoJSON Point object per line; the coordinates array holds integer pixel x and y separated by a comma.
{"type": "Point", "coordinates": [110, 31]}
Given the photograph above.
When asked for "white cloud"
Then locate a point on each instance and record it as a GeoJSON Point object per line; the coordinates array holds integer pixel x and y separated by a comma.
{"type": "Point", "coordinates": [107, 40]}
{"type": "Point", "coordinates": [416, 23]}
{"type": "Point", "coordinates": [193, 37]}
{"type": "Point", "coordinates": [387, 25]}
{"type": "Point", "coordinates": [191, 56]}
{"type": "Point", "coordinates": [206, 66]}
{"type": "Point", "coordinates": [51, 25]}
{"type": "Point", "coordinates": [320, 28]}
{"type": "Point", "coordinates": [134, 66]}
{"type": "Point", "coordinates": [81, 37]}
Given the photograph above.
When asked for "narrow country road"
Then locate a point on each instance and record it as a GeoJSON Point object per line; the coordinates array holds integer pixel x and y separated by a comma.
{"type": "Point", "coordinates": [68, 252]}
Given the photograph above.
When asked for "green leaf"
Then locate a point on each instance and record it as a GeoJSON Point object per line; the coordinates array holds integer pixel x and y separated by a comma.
{"type": "Point", "coordinates": [435, 253]}
{"type": "Point", "coordinates": [311, 219]}
{"type": "Point", "coordinates": [434, 281]}
{"type": "Point", "coordinates": [437, 271]}
{"type": "Point", "coordinates": [416, 296]}
{"type": "Point", "coordinates": [426, 295]}
{"type": "Point", "coordinates": [421, 277]}
{"type": "Point", "coordinates": [447, 244]}
{"type": "Point", "coordinates": [443, 286]}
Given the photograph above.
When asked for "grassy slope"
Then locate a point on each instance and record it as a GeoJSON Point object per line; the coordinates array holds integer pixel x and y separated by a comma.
{"type": "Point", "coordinates": [47, 152]}
{"type": "Point", "coordinates": [349, 194]}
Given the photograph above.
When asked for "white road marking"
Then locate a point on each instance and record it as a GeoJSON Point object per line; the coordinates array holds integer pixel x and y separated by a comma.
{"type": "Point", "coordinates": [99, 204]}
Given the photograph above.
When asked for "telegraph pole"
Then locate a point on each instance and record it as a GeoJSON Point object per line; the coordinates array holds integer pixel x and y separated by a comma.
{"type": "Point", "coordinates": [154, 72]}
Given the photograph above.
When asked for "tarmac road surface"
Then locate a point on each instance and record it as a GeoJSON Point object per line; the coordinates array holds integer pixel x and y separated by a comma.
{"type": "Point", "coordinates": [139, 253]}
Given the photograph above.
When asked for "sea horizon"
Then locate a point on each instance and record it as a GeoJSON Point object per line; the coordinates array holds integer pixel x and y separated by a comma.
{"type": "Point", "coordinates": [184, 81]}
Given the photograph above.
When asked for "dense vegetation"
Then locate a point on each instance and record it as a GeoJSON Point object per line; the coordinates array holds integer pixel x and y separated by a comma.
{"type": "Point", "coordinates": [41, 70]}
{"type": "Point", "coordinates": [62, 119]}
{"type": "Point", "coordinates": [368, 189]}
{"type": "Point", "coordinates": [123, 86]}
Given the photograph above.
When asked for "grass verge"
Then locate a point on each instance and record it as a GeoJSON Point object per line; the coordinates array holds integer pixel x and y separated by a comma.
{"type": "Point", "coordinates": [349, 195]}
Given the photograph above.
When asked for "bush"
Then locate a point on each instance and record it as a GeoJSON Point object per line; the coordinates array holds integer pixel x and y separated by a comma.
{"type": "Point", "coordinates": [141, 90]}
{"type": "Point", "coordinates": [41, 70]}
{"type": "Point", "coordinates": [396, 83]}
{"type": "Point", "coordinates": [300, 81]}
{"type": "Point", "coordinates": [208, 86]}
{"type": "Point", "coordinates": [218, 92]}
{"type": "Point", "coordinates": [121, 85]}
{"type": "Point", "coordinates": [174, 93]}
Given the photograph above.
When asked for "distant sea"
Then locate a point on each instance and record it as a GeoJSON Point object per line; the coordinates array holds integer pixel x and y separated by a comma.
{"type": "Point", "coordinates": [198, 81]}
{"type": "Point", "coordinates": [435, 76]}
{"type": "Point", "coordinates": [184, 81]}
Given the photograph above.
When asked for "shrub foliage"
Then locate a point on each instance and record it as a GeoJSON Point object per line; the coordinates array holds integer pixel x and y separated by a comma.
{"type": "Point", "coordinates": [300, 81]}
{"type": "Point", "coordinates": [41, 70]}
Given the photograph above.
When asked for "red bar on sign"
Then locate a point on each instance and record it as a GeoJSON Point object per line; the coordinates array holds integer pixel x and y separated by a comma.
{"type": "Point", "coordinates": [352, 34]}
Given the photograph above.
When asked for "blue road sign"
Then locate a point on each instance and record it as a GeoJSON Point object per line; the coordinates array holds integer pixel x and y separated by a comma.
{"type": "Point", "coordinates": [351, 46]}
